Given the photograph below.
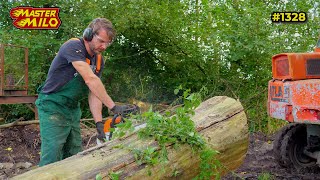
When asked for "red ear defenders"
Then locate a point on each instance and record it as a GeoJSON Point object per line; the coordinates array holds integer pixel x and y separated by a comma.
{"type": "Point", "coordinates": [88, 34]}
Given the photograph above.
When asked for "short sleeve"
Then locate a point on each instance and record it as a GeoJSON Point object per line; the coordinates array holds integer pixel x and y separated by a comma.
{"type": "Point", "coordinates": [73, 50]}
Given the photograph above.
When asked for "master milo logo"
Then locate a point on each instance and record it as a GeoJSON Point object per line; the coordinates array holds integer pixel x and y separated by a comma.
{"type": "Point", "coordinates": [35, 18]}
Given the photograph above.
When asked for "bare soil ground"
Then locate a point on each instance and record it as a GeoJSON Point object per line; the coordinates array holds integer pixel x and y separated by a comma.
{"type": "Point", "coordinates": [20, 148]}
{"type": "Point", "coordinates": [20, 151]}
{"type": "Point", "coordinates": [260, 163]}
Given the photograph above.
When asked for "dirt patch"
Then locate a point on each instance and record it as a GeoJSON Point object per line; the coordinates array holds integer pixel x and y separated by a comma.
{"type": "Point", "coordinates": [20, 152]}
{"type": "Point", "coordinates": [260, 163]}
{"type": "Point", "coordinates": [20, 148]}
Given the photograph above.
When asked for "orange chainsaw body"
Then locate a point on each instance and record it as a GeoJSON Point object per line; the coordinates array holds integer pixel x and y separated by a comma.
{"type": "Point", "coordinates": [108, 122]}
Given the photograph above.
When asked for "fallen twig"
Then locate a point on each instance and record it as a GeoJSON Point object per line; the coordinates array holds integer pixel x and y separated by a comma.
{"type": "Point", "coordinates": [90, 140]}
{"type": "Point", "coordinates": [23, 123]}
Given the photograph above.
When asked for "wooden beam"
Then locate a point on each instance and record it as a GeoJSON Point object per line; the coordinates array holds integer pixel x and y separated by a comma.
{"type": "Point", "coordinates": [17, 99]}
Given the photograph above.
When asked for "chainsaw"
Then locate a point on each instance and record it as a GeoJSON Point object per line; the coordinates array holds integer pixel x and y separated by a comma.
{"type": "Point", "coordinates": [111, 123]}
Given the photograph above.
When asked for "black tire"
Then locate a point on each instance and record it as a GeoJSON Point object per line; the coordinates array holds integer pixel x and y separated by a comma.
{"type": "Point", "coordinates": [278, 141]}
{"type": "Point", "coordinates": [292, 147]}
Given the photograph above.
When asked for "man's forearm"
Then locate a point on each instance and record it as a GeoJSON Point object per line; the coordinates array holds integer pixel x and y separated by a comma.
{"type": "Point", "coordinates": [93, 82]}
{"type": "Point", "coordinates": [95, 107]}
{"type": "Point", "coordinates": [96, 87]}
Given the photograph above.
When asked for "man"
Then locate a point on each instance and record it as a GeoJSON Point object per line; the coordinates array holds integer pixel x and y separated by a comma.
{"type": "Point", "coordinates": [73, 75]}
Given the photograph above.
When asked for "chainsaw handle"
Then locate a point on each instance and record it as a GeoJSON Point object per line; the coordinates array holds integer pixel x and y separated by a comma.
{"type": "Point", "coordinates": [113, 122]}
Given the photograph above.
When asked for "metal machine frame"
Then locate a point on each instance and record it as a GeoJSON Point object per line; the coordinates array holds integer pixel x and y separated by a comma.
{"type": "Point", "coordinates": [14, 94]}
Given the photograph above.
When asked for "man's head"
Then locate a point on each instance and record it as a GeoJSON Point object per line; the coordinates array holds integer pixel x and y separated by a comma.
{"type": "Point", "coordinates": [99, 34]}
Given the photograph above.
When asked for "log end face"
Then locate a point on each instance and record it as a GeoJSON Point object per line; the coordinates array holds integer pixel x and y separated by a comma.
{"type": "Point", "coordinates": [223, 123]}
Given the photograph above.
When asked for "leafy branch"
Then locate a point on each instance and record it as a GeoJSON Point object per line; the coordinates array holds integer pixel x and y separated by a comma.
{"type": "Point", "coordinates": [173, 129]}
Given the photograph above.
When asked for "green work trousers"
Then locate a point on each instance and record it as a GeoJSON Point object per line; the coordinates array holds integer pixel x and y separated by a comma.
{"type": "Point", "coordinates": [59, 115]}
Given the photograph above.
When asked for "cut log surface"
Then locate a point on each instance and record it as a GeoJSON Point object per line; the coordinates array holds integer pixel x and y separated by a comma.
{"type": "Point", "coordinates": [220, 120]}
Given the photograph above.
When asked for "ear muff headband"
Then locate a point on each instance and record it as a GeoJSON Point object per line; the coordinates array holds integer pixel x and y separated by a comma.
{"type": "Point", "coordinates": [88, 34]}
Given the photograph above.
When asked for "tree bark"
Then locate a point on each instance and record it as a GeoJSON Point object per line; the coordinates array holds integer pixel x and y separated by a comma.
{"type": "Point", "coordinates": [220, 120]}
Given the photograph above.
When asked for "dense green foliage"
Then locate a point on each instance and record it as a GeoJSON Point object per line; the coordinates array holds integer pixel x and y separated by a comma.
{"type": "Point", "coordinates": [225, 46]}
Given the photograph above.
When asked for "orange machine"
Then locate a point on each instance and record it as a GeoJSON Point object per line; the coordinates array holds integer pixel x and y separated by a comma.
{"type": "Point", "coordinates": [294, 91]}
{"type": "Point", "coordinates": [294, 96]}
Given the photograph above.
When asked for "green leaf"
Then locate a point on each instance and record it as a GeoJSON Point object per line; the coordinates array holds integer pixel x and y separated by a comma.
{"type": "Point", "coordinates": [176, 91]}
{"type": "Point", "coordinates": [98, 176]}
{"type": "Point", "coordinates": [191, 134]}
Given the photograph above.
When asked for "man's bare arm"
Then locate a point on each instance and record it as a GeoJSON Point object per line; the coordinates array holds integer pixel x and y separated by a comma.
{"type": "Point", "coordinates": [94, 83]}
{"type": "Point", "coordinates": [95, 107]}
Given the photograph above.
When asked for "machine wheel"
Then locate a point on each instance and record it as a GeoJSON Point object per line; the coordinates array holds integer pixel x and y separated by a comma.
{"type": "Point", "coordinates": [278, 141]}
{"type": "Point", "coordinates": [292, 147]}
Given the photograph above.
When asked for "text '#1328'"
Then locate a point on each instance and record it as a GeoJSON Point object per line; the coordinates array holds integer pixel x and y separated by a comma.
{"type": "Point", "coordinates": [292, 17]}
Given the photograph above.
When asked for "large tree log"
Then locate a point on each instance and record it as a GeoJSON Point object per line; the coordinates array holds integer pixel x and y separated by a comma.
{"type": "Point", "coordinates": [220, 120]}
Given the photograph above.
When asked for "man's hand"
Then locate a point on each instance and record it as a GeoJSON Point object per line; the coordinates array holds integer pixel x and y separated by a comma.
{"type": "Point", "coordinates": [118, 109]}
{"type": "Point", "coordinates": [101, 135]}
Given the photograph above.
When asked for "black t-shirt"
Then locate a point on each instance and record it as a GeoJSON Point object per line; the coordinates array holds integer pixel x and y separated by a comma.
{"type": "Point", "coordinates": [62, 71]}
